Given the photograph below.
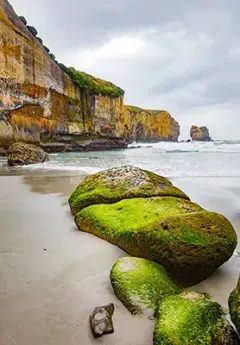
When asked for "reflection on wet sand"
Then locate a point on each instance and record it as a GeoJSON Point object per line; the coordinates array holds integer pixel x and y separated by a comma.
{"type": "Point", "coordinates": [51, 274]}
{"type": "Point", "coordinates": [63, 185]}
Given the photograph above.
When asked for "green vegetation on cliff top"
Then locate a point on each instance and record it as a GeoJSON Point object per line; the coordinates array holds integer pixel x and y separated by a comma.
{"type": "Point", "coordinates": [138, 110]}
{"type": "Point", "coordinates": [83, 80]}
{"type": "Point", "coordinates": [98, 86]}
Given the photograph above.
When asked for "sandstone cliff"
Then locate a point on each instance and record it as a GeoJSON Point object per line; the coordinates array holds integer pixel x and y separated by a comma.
{"type": "Point", "coordinates": [200, 133]}
{"type": "Point", "coordinates": [40, 103]}
{"type": "Point", "coordinates": [150, 125]}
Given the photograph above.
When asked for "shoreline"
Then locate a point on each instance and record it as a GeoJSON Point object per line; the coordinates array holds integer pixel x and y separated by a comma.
{"type": "Point", "coordinates": [46, 296]}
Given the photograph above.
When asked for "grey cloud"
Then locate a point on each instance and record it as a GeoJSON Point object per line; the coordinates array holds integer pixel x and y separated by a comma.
{"type": "Point", "coordinates": [91, 22]}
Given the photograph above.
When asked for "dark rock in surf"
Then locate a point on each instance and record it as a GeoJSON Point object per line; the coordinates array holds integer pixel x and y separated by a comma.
{"type": "Point", "coordinates": [24, 154]}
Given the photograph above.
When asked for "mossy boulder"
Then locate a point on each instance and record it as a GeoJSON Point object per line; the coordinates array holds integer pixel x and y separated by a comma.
{"type": "Point", "coordinates": [141, 284]}
{"type": "Point", "coordinates": [24, 154]}
{"type": "Point", "coordinates": [115, 184]}
{"type": "Point", "coordinates": [188, 241]}
{"type": "Point", "coordinates": [145, 215]}
{"type": "Point", "coordinates": [192, 319]}
{"type": "Point", "coordinates": [234, 306]}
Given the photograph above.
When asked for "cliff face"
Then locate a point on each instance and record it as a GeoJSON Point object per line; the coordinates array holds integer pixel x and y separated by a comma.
{"type": "Point", "coordinates": [150, 125]}
{"type": "Point", "coordinates": [39, 102]}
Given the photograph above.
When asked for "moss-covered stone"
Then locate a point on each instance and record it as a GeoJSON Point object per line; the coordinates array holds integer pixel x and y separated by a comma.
{"type": "Point", "coordinates": [120, 183]}
{"type": "Point", "coordinates": [234, 305]}
{"type": "Point", "coordinates": [141, 284]}
{"type": "Point", "coordinates": [187, 240]}
{"type": "Point", "coordinates": [190, 319]}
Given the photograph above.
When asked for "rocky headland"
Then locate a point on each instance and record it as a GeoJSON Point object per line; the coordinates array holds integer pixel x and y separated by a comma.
{"type": "Point", "coordinates": [48, 104]}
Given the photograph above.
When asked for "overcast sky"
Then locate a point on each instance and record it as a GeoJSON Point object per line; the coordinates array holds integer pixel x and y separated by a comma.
{"type": "Point", "coordinates": [181, 56]}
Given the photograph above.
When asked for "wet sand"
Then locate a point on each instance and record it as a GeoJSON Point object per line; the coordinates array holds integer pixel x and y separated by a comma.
{"type": "Point", "coordinates": [52, 275]}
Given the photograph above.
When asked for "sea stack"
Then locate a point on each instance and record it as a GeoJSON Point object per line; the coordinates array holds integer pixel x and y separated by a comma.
{"type": "Point", "coordinates": [200, 133]}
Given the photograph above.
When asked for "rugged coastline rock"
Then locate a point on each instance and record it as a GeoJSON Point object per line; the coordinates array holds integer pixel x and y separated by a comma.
{"type": "Point", "coordinates": [200, 133]}
{"type": "Point", "coordinates": [145, 215]}
{"type": "Point", "coordinates": [44, 102]}
{"type": "Point", "coordinates": [83, 144]}
{"type": "Point", "coordinates": [24, 154]}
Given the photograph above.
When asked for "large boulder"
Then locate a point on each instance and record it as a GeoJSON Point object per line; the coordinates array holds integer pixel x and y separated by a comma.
{"type": "Point", "coordinates": [234, 306]}
{"type": "Point", "coordinates": [200, 133]}
{"type": "Point", "coordinates": [155, 221]}
{"type": "Point", "coordinates": [141, 284]}
{"type": "Point", "coordinates": [115, 184]}
{"type": "Point", "coordinates": [192, 319]}
{"type": "Point", "coordinates": [24, 154]}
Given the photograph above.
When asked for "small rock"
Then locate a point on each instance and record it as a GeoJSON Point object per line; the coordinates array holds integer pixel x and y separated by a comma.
{"type": "Point", "coordinates": [101, 320]}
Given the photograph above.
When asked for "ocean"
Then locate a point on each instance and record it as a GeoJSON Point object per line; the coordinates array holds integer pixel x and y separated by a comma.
{"type": "Point", "coordinates": [182, 159]}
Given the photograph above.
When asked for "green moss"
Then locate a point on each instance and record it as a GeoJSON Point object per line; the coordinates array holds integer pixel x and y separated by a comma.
{"type": "Point", "coordinates": [187, 240]}
{"type": "Point", "coordinates": [121, 183]}
{"type": "Point", "coordinates": [234, 305]}
{"type": "Point", "coordinates": [190, 319]}
{"type": "Point", "coordinates": [141, 284]}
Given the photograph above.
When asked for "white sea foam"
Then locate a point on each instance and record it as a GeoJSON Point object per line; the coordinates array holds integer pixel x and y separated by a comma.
{"type": "Point", "coordinates": [193, 159]}
{"type": "Point", "coordinates": [193, 146]}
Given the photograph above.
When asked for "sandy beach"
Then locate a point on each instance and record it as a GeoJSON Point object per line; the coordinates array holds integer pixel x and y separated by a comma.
{"type": "Point", "coordinates": [52, 275]}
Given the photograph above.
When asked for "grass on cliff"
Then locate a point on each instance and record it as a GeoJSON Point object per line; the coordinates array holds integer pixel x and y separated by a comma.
{"type": "Point", "coordinates": [98, 86]}
{"type": "Point", "coordinates": [138, 110]}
